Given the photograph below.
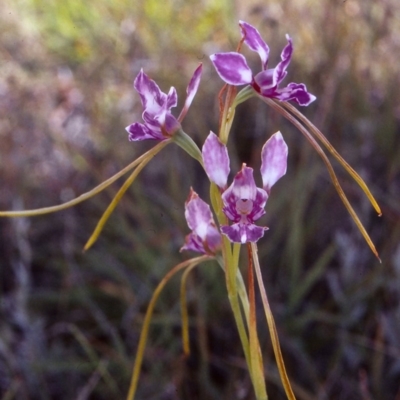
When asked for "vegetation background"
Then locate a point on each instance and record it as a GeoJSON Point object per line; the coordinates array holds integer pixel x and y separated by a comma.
{"type": "Point", "coordinates": [70, 321]}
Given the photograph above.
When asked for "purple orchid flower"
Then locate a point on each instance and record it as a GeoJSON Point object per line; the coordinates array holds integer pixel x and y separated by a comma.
{"type": "Point", "coordinates": [243, 202]}
{"type": "Point", "coordinates": [205, 237]}
{"type": "Point", "coordinates": [159, 123]}
{"type": "Point", "coordinates": [233, 69]}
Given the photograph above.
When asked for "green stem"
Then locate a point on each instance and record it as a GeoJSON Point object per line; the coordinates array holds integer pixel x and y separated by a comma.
{"type": "Point", "coordinates": [230, 275]}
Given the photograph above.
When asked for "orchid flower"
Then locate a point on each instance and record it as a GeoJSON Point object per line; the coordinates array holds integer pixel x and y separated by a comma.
{"type": "Point", "coordinates": [232, 67]}
{"type": "Point", "coordinates": [243, 201]}
{"type": "Point", "coordinates": [159, 123]}
{"type": "Point", "coordinates": [205, 237]}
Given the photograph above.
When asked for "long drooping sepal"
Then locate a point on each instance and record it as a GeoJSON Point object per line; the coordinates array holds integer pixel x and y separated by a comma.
{"type": "Point", "coordinates": [271, 326]}
{"type": "Point", "coordinates": [319, 135]}
{"type": "Point", "coordinates": [146, 324]}
{"type": "Point", "coordinates": [104, 218]}
{"type": "Point", "coordinates": [318, 149]}
{"type": "Point", "coordinates": [118, 197]}
{"type": "Point", "coordinates": [87, 195]}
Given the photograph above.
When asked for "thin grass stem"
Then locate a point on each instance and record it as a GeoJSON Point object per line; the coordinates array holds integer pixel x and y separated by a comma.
{"type": "Point", "coordinates": [184, 311]}
{"type": "Point", "coordinates": [271, 326]}
{"type": "Point", "coordinates": [146, 324]}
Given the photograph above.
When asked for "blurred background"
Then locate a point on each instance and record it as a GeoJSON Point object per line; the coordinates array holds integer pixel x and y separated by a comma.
{"type": "Point", "coordinates": [70, 321]}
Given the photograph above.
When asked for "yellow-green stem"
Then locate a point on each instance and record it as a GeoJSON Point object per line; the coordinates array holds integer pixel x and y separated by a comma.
{"type": "Point", "coordinates": [230, 275]}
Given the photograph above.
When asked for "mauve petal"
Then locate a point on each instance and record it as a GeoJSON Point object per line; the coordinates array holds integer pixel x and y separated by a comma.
{"type": "Point", "coordinates": [254, 232]}
{"type": "Point", "coordinates": [191, 90]}
{"type": "Point", "coordinates": [171, 124]}
{"type": "Point", "coordinates": [273, 160]}
{"type": "Point", "coordinates": [242, 189]}
{"type": "Point", "coordinates": [142, 132]}
{"type": "Point", "coordinates": [258, 205]}
{"type": "Point", "coordinates": [213, 238]}
{"type": "Point", "coordinates": [152, 121]}
{"type": "Point", "coordinates": [205, 237]}
{"type": "Point", "coordinates": [286, 55]}
{"type": "Point", "coordinates": [232, 68]}
{"type": "Point", "coordinates": [231, 212]}
{"type": "Point", "coordinates": [229, 208]}
{"type": "Point", "coordinates": [150, 94]}
{"type": "Point", "coordinates": [243, 233]}
{"type": "Point", "coordinates": [266, 81]}
{"type": "Point", "coordinates": [255, 42]}
{"type": "Point", "coordinates": [296, 92]}
{"type": "Point", "coordinates": [243, 186]}
{"type": "Point", "coordinates": [198, 215]}
{"type": "Point", "coordinates": [194, 243]}
{"type": "Point", "coordinates": [233, 232]}
{"type": "Point", "coordinates": [216, 160]}
{"type": "Point", "coordinates": [172, 98]}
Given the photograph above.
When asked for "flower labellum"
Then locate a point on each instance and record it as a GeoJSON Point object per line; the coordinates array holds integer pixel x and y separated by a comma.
{"type": "Point", "coordinates": [232, 67]}
{"type": "Point", "coordinates": [159, 123]}
{"type": "Point", "coordinates": [243, 204]}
